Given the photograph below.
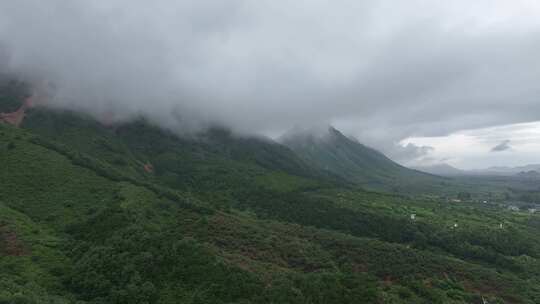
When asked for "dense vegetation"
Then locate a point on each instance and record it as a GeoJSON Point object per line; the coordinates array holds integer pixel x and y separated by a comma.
{"type": "Point", "coordinates": [347, 158]}
{"type": "Point", "coordinates": [136, 214]}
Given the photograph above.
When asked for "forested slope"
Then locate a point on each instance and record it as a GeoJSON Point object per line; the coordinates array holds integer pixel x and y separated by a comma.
{"type": "Point", "coordinates": [134, 214]}
{"type": "Point", "coordinates": [332, 151]}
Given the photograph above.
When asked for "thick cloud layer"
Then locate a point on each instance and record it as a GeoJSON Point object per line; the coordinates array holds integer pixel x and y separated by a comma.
{"type": "Point", "coordinates": [382, 70]}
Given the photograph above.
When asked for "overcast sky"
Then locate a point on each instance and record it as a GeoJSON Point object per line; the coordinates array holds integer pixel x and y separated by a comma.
{"type": "Point", "coordinates": [407, 77]}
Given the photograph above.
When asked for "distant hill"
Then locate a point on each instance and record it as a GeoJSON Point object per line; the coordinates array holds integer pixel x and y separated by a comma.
{"type": "Point", "coordinates": [534, 175]}
{"type": "Point", "coordinates": [440, 169]}
{"type": "Point", "coordinates": [509, 170]}
{"type": "Point", "coordinates": [353, 161]}
{"type": "Point", "coordinates": [447, 170]}
{"type": "Point", "coordinates": [502, 170]}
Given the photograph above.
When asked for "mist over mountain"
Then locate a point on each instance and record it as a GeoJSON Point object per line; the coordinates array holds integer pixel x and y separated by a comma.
{"type": "Point", "coordinates": [508, 171]}
{"type": "Point", "coordinates": [149, 154]}
{"type": "Point", "coordinates": [448, 170]}
{"type": "Point", "coordinates": [380, 70]}
{"type": "Point", "coordinates": [103, 211]}
{"type": "Point", "coordinates": [528, 175]}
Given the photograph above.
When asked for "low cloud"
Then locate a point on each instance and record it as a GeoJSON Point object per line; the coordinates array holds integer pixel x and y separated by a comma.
{"type": "Point", "coordinates": [503, 146]}
{"type": "Point", "coordinates": [383, 70]}
{"type": "Point", "coordinates": [481, 148]}
{"type": "Point", "coordinates": [410, 153]}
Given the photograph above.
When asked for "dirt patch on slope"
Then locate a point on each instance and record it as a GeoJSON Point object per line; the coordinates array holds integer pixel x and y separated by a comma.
{"type": "Point", "coordinates": [148, 168]}
{"type": "Point", "coordinates": [17, 117]}
{"type": "Point", "coordinates": [10, 244]}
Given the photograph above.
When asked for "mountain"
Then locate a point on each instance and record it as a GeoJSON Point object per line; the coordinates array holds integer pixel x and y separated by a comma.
{"type": "Point", "coordinates": [214, 158]}
{"type": "Point", "coordinates": [345, 157]}
{"type": "Point", "coordinates": [133, 213]}
{"type": "Point", "coordinates": [528, 175]}
{"type": "Point", "coordinates": [447, 170]}
{"type": "Point", "coordinates": [440, 169]}
{"type": "Point", "coordinates": [508, 171]}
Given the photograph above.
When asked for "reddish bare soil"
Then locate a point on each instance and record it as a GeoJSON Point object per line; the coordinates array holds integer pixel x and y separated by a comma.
{"type": "Point", "coordinates": [148, 168]}
{"type": "Point", "coordinates": [107, 119]}
{"type": "Point", "coordinates": [10, 243]}
{"type": "Point", "coordinates": [17, 117]}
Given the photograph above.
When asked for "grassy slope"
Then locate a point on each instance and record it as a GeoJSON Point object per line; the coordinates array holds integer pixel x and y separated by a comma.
{"type": "Point", "coordinates": [355, 162]}
{"type": "Point", "coordinates": [232, 223]}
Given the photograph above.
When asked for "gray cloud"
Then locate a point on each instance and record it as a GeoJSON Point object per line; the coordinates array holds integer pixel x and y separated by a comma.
{"type": "Point", "coordinates": [503, 146]}
{"type": "Point", "coordinates": [409, 154]}
{"type": "Point", "coordinates": [381, 70]}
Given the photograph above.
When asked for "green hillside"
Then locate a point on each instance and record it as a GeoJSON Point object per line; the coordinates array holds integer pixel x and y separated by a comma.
{"type": "Point", "coordinates": [133, 213]}
{"type": "Point", "coordinates": [349, 159]}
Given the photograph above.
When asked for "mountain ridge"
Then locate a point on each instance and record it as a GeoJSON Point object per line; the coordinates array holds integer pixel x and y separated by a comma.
{"type": "Point", "coordinates": [348, 158]}
{"type": "Point", "coordinates": [444, 169]}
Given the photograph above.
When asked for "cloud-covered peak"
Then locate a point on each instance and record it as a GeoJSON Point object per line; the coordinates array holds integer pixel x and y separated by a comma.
{"type": "Point", "coordinates": [378, 69]}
